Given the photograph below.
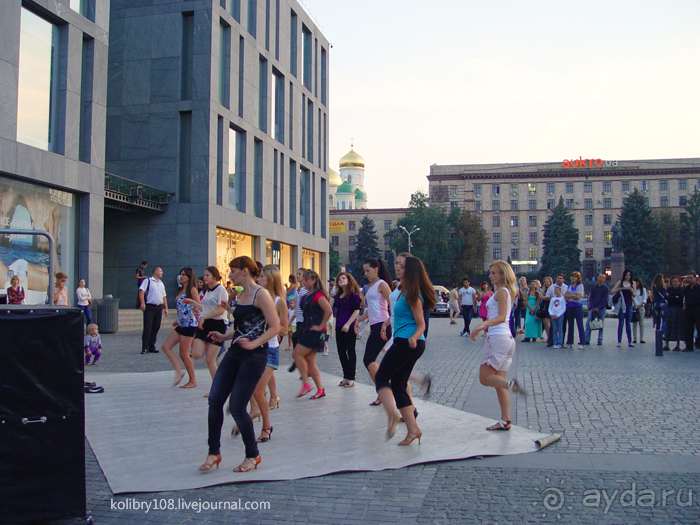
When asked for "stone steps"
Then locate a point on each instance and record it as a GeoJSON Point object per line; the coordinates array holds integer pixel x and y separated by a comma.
{"type": "Point", "coordinates": [130, 320]}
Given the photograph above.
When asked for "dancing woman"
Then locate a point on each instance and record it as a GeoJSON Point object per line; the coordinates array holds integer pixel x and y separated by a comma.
{"type": "Point", "coordinates": [347, 303]}
{"type": "Point", "coordinates": [500, 345]}
{"type": "Point", "coordinates": [317, 312]}
{"type": "Point", "coordinates": [213, 318]}
{"type": "Point", "coordinates": [185, 328]}
{"type": "Point", "coordinates": [256, 321]}
{"type": "Point", "coordinates": [377, 299]}
{"type": "Point", "coordinates": [415, 296]}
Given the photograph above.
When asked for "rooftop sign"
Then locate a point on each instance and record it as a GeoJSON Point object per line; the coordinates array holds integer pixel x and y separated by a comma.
{"type": "Point", "coordinates": [588, 163]}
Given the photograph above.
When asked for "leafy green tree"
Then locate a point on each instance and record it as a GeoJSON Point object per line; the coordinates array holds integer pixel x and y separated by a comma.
{"type": "Point", "coordinates": [640, 237]}
{"type": "Point", "coordinates": [390, 264]}
{"type": "Point", "coordinates": [672, 261]}
{"type": "Point", "coordinates": [468, 244]}
{"type": "Point", "coordinates": [333, 261]}
{"type": "Point", "coordinates": [560, 251]}
{"type": "Point", "coordinates": [691, 228]}
{"type": "Point", "coordinates": [365, 246]}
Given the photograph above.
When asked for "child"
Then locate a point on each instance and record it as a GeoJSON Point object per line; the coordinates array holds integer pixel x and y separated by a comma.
{"type": "Point", "coordinates": [557, 308]}
{"type": "Point", "coordinates": [93, 344]}
{"type": "Point", "coordinates": [292, 324]}
{"type": "Point", "coordinates": [330, 332]}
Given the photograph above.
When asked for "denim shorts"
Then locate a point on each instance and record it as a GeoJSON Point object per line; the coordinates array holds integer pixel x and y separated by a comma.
{"type": "Point", "coordinates": [273, 357]}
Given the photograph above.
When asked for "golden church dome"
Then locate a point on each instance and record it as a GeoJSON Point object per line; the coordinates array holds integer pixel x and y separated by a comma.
{"type": "Point", "coordinates": [352, 160]}
{"type": "Point", "coordinates": [333, 178]}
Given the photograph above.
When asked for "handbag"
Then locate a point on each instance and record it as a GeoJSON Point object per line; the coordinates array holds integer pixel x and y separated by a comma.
{"type": "Point", "coordinates": [89, 302]}
{"type": "Point", "coordinates": [542, 310]}
{"type": "Point", "coordinates": [596, 324]}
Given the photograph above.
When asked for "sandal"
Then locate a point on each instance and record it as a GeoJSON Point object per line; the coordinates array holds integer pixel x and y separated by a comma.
{"type": "Point", "coordinates": [343, 382]}
{"type": "Point", "coordinates": [350, 384]}
{"type": "Point", "coordinates": [265, 439]}
{"type": "Point", "coordinates": [376, 403]}
{"type": "Point", "coordinates": [207, 465]}
{"type": "Point", "coordinates": [305, 389]}
{"type": "Point", "coordinates": [391, 429]}
{"type": "Point", "coordinates": [274, 403]}
{"type": "Point", "coordinates": [319, 393]}
{"type": "Point", "coordinates": [515, 387]}
{"type": "Point", "coordinates": [254, 462]}
{"type": "Point", "coordinates": [500, 425]}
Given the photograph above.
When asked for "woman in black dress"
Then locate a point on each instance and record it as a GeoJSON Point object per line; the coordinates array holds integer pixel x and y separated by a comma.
{"type": "Point", "coordinates": [675, 318]}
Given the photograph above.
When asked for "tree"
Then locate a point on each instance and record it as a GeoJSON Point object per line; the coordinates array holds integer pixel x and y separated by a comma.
{"type": "Point", "coordinates": [333, 261]}
{"type": "Point", "coordinates": [365, 246]}
{"type": "Point", "coordinates": [468, 244]}
{"type": "Point", "coordinates": [560, 251]}
{"type": "Point", "coordinates": [671, 258]}
{"type": "Point", "coordinates": [691, 228]}
{"type": "Point", "coordinates": [640, 237]}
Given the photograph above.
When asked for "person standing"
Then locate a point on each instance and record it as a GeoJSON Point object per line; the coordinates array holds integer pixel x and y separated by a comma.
{"type": "Point", "coordinates": [692, 310]}
{"type": "Point", "coordinates": [467, 297]}
{"type": "Point", "coordinates": [453, 304]}
{"type": "Point", "coordinates": [675, 316]}
{"type": "Point", "coordinates": [574, 310]}
{"type": "Point", "coordinates": [15, 293]}
{"type": "Point", "coordinates": [557, 309]}
{"type": "Point", "coordinates": [152, 303]}
{"type": "Point", "coordinates": [533, 326]}
{"type": "Point", "coordinates": [84, 299]}
{"type": "Point", "coordinates": [60, 291]}
{"type": "Point", "coordinates": [521, 305]}
{"type": "Point", "coordinates": [544, 307]}
{"type": "Point", "coordinates": [640, 300]}
{"type": "Point", "coordinates": [660, 304]}
{"type": "Point", "coordinates": [548, 297]}
{"type": "Point", "coordinates": [627, 289]}
{"type": "Point", "coordinates": [140, 278]}
{"type": "Point", "coordinates": [346, 302]}
{"type": "Point", "coordinates": [597, 305]}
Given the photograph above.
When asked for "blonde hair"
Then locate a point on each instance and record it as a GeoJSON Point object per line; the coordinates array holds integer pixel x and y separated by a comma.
{"type": "Point", "coordinates": [92, 326]}
{"type": "Point", "coordinates": [274, 280]}
{"type": "Point", "coordinates": [508, 275]}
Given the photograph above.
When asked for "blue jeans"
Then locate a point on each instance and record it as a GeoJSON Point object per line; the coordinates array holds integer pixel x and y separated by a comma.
{"type": "Point", "coordinates": [625, 319]}
{"type": "Point", "coordinates": [86, 311]}
{"type": "Point", "coordinates": [518, 316]}
{"type": "Point", "coordinates": [659, 314]}
{"type": "Point", "coordinates": [467, 313]}
{"type": "Point", "coordinates": [238, 374]}
{"type": "Point", "coordinates": [558, 330]}
{"type": "Point", "coordinates": [598, 315]}
{"type": "Point", "coordinates": [575, 313]}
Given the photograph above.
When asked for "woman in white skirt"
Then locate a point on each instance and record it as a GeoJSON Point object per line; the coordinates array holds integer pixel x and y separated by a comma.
{"type": "Point", "coordinates": [500, 345]}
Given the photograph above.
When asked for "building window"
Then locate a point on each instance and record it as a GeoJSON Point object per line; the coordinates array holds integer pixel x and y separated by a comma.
{"type": "Point", "coordinates": [514, 238]}
{"type": "Point", "coordinates": [293, 43]}
{"type": "Point", "coordinates": [387, 225]}
{"type": "Point", "coordinates": [588, 187]}
{"type": "Point", "coordinates": [496, 205]}
{"type": "Point", "coordinates": [607, 186]}
{"type": "Point", "coordinates": [569, 187]}
{"type": "Point", "coordinates": [607, 252]}
{"type": "Point", "coordinates": [477, 190]}
{"type": "Point", "coordinates": [307, 46]}
{"type": "Point", "coordinates": [607, 236]}
{"type": "Point", "coordinates": [335, 241]}
{"type": "Point", "coordinates": [496, 253]}
{"type": "Point", "coordinates": [646, 201]}
{"type": "Point", "coordinates": [477, 205]}
{"type": "Point", "coordinates": [531, 187]}
{"type": "Point", "coordinates": [589, 253]}
{"type": "Point", "coordinates": [550, 204]}
{"type": "Point", "coordinates": [496, 221]}
{"type": "Point", "coordinates": [550, 188]}
{"type": "Point", "coordinates": [570, 203]}
{"type": "Point", "coordinates": [588, 236]}
{"type": "Point", "coordinates": [588, 220]}
{"type": "Point", "coordinates": [682, 200]}
{"type": "Point", "coordinates": [253, 17]}
{"type": "Point", "coordinates": [664, 202]}
{"type": "Point", "coordinates": [38, 82]}
{"type": "Point", "coordinates": [514, 220]}
{"type": "Point", "coordinates": [496, 237]}
{"type": "Point", "coordinates": [533, 253]}
{"type": "Point", "coordinates": [454, 204]}
{"type": "Point", "coordinates": [645, 185]}
{"type": "Point", "coordinates": [663, 185]}
{"type": "Point", "coordinates": [682, 184]}
{"type": "Point", "coordinates": [262, 95]}
{"type": "Point", "coordinates": [532, 221]}
{"type": "Point", "coordinates": [514, 205]}
{"type": "Point", "coordinates": [351, 226]}
{"type": "Point", "coordinates": [532, 205]}
{"type": "Point", "coordinates": [607, 219]}
{"type": "Point", "coordinates": [625, 185]}
{"type": "Point", "coordinates": [607, 203]}
{"type": "Point", "coordinates": [513, 189]}
{"type": "Point", "coordinates": [682, 217]}
{"type": "Point", "coordinates": [515, 254]}
{"type": "Point", "coordinates": [386, 240]}
{"type": "Point", "coordinates": [351, 240]}
{"type": "Point", "coordinates": [496, 189]}
{"type": "Point", "coordinates": [278, 106]}
{"type": "Point", "coordinates": [533, 268]}
{"type": "Point", "coordinates": [588, 204]}
{"type": "Point", "coordinates": [533, 237]}
{"type": "Point", "coordinates": [481, 220]}
{"type": "Point", "coordinates": [453, 190]}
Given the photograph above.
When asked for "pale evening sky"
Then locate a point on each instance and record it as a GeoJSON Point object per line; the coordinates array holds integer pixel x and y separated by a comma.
{"type": "Point", "coordinates": [463, 82]}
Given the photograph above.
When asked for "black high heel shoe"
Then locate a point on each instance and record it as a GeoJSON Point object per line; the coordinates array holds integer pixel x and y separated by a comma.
{"type": "Point", "coordinates": [415, 414]}
{"type": "Point", "coordinates": [265, 439]}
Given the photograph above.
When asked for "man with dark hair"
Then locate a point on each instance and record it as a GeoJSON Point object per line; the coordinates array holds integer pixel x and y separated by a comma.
{"type": "Point", "coordinates": [691, 297]}
{"type": "Point", "coordinates": [597, 304]}
{"type": "Point", "coordinates": [466, 306]}
{"type": "Point", "coordinates": [152, 303]}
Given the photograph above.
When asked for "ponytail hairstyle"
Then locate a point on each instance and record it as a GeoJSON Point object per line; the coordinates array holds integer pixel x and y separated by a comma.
{"type": "Point", "coordinates": [274, 281]}
{"type": "Point", "coordinates": [416, 283]}
{"type": "Point", "coordinates": [352, 286]}
{"type": "Point", "coordinates": [384, 274]}
{"type": "Point", "coordinates": [214, 272]}
{"type": "Point", "coordinates": [318, 283]}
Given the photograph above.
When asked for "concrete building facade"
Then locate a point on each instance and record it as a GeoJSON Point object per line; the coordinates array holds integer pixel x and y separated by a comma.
{"type": "Point", "coordinates": [53, 90]}
{"type": "Point", "coordinates": [513, 201]}
{"type": "Point", "coordinates": [222, 105]}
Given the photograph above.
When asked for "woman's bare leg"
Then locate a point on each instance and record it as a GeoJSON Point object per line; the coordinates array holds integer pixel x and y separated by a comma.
{"type": "Point", "coordinates": [489, 376]}
{"type": "Point", "coordinates": [212, 352]}
{"type": "Point", "coordinates": [314, 372]}
{"type": "Point", "coordinates": [185, 345]}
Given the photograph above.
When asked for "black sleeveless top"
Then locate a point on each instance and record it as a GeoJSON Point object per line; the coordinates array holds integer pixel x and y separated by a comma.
{"type": "Point", "coordinates": [249, 322]}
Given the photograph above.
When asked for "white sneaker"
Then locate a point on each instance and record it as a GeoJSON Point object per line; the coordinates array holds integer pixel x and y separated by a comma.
{"type": "Point", "coordinates": [325, 353]}
{"type": "Point", "coordinates": [556, 346]}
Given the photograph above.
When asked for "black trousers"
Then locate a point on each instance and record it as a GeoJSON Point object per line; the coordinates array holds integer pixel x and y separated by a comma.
{"type": "Point", "coordinates": [151, 324]}
{"type": "Point", "coordinates": [346, 351]}
{"type": "Point", "coordinates": [692, 321]}
{"type": "Point", "coordinates": [396, 368]}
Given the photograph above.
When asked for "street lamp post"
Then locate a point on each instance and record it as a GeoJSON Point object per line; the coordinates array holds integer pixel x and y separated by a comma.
{"type": "Point", "coordinates": [414, 230]}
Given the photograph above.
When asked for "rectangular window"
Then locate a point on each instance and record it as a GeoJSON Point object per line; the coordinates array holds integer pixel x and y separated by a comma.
{"type": "Point", "coordinates": [335, 241]}
{"type": "Point", "coordinates": [496, 237]}
{"type": "Point", "coordinates": [533, 237]}
{"type": "Point", "coordinates": [262, 96]}
{"type": "Point", "coordinates": [496, 253]}
{"type": "Point", "coordinates": [645, 185]}
{"type": "Point", "coordinates": [236, 170]}
{"type": "Point", "coordinates": [307, 48]}
{"type": "Point", "coordinates": [258, 178]}
{"type": "Point", "coordinates": [607, 186]}
{"type": "Point", "coordinates": [477, 205]}
{"type": "Point", "coordinates": [589, 253]}
{"type": "Point", "coordinates": [278, 106]}
{"type": "Point", "coordinates": [253, 18]}
{"type": "Point", "coordinates": [291, 115]}
{"type": "Point", "coordinates": [495, 205]}
{"type": "Point", "coordinates": [351, 240]}
{"type": "Point", "coordinates": [664, 201]}
{"type": "Point", "coordinates": [569, 187]}
{"type": "Point", "coordinates": [514, 205]}
{"type": "Point", "coordinates": [570, 203]}
{"type": "Point", "coordinates": [277, 29]}
{"type": "Point", "coordinates": [531, 187]}
{"type": "Point", "coordinates": [588, 236]}
{"type": "Point", "coordinates": [387, 225]}
{"type": "Point", "coordinates": [315, 67]}
{"type": "Point", "coordinates": [514, 238]}
{"type": "Point", "coordinates": [305, 199]}
{"type": "Point", "coordinates": [275, 186]}
{"type": "Point", "coordinates": [324, 76]}
{"type": "Point", "coordinates": [588, 204]}
{"type": "Point", "coordinates": [220, 160]}
{"type": "Point", "coordinates": [303, 125]}
{"type": "Point", "coordinates": [607, 252]}
{"type": "Point", "coordinates": [292, 194]}
{"type": "Point", "coordinates": [282, 189]}
{"type": "Point", "coordinates": [646, 201]}
{"type": "Point", "coordinates": [607, 219]}
{"type": "Point", "coordinates": [550, 204]}
{"type": "Point", "coordinates": [351, 226]}
{"type": "Point", "coordinates": [513, 189]}
{"type": "Point", "coordinates": [187, 65]}
{"type": "Point", "coordinates": [310, 131]}
{"type": "Point", "coordinates": [235, 6]}
{"type": "Point", "coordinates": [607, 203]}
{"type": "Point", "coordinates": [532, 221]}
{"type": "Point", "coordinates": [663, 185]}
{"type": "Point", "coordinates": [532, 204]}
{"type": "Point", "coordinates": [224, 64]}
{"type": "Point", "coordinates": [185, 183]}
{"type": "Point", "coordinates": [682, 184]}
{"type": "Point", "coordinates": [588, 220]}
{"type": "Point", "coordinates": [293, 45]}
{"type": "Point", "coordinates": [682, 200]}
{"type": "Point", "coordinates": [682, 217]}
{"type": "Point", "coordinates": [496, 189]}
{"type": "Point", "coordinates": [550, 188]}
{"type": "Point", "coordinates": [477, 190]}
{"type": "Point", "coordinates": [37, 99]}
{"type": "Point", "coordinates": [453, 190]}
{"type": "Point", "coordinates": [625, 185]}
{"type": "Point", "coordinates": [587, 187]}
{"type": "Point", "coordinates": [533, 253]}
{"type": "Point", "coordinates": [241, 76]}
{"type": "Point", "coordinates": [607, 236]}
{"type": "Point", "coordinates": [267, 25]}
{"type": "Point", "coordinates": [514, 220]}
{"type": "Point", "coordinates": [87, 67]}
{"type": "Point", "coordinates": [496, 221]}
{"type": "Point", "coordinates": [515, 254]}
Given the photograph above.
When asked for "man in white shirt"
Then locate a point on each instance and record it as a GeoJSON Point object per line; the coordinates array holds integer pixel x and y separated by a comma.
{"type": "Point", "coordinates": [466, 306]}
{"type": "Point", "coordinates": [153, 303]}
{"type": "Point", "coordinates": [547, 297]}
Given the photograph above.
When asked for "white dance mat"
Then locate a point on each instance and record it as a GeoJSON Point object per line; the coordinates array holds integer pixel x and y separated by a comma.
{"type": "Point", "coordinates": [150, 437]}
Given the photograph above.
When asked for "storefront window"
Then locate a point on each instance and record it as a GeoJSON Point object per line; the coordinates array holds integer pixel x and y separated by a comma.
{"type": "Point", "coordinates": [311, 260]}
{"type": "Point", "coordinates": [280, 254]}
{"type": "Point", "coordinates": [229, 245]}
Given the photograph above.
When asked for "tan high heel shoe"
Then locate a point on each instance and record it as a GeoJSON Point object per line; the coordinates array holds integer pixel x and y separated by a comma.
{"type": "Point", "coordinates": [410, 438]}
{"type": "Point", "coordinates": [208, 465]}
{"type": "Point", "coordinates": [391, 430]}
{"type": "Point", "coordinates": [274, 403]}
{"type": "Point", "coordinates": [253, 463]}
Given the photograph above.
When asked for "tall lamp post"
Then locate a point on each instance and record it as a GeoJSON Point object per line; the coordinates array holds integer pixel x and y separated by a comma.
{"type": "Point", "coordinates": [414, 230]}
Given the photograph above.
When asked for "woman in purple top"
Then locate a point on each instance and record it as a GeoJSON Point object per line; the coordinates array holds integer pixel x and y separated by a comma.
{"type": "Point", "coordinates": [15, 293]}
{"type": "Point", "coordinates": [346, 301]}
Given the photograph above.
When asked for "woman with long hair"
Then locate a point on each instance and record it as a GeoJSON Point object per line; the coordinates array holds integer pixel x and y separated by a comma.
{"type": "Point", "coordinates": [521, 307]}
{"type": "Point", "coordinates": [255, 321]}
{"type": "Point", "coordinates": [483, 295]}
{"type": "Point", "coordinates": [290, 287]}
{"type": "Point", "coordinates": [416, 295]}
{"type": "Point", "coordinates": [317, 312]}
{"type": "Point", "coordinates": [675, 316]}
{"type": "Point", "coordinates": [212, 319]}
{"type": "Point", "coordinates": [640, 300]}
{"type": "Point", "coordinates": [574, 311]}
{"type": "Point", "coordinates": [84, 299]}
{"type": "Point", "coordinates": [544, 309]}
{"type": "Point", "coordinates": [533, 326]}
{"type": "Point", "coordinates": [500, 346]}
{"type": "Point", "coordinates": [377, 299]}
{"type": "Point", "coordinates": [201, 290]}
{"type": "Point", "coordinates": [627, 288]}
{"type": "Point", "coordinates": [660, 304]}
{"type": "Point", "coordinates": [346, 302]}
{"type": "Point", "coordinates": [185, 328]}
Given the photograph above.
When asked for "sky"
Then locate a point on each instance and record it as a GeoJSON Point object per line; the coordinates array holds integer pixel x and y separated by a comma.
{"type": "Point", "coordinates": [463, 82]}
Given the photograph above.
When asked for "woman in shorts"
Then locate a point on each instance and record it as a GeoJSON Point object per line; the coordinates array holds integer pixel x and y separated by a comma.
{"type": "Point", "coordinates": [317, 310]}
{"type": "Point", "coordinates": [185, 328]}
{"type": "Point", "coordinates": [500, 345]}
{"type": "Point", "coordinates": [213, 318]}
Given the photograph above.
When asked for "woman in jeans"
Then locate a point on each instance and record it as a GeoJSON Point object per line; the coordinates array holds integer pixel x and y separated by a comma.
{"type": "Point", "coordinates": [347, 303]}
{"type": "Point", "coordinates": [640, 300]}
{"type": "Point", "coordinates": [256, 321]}
{"type": "Point", "coordinates": [574, 311]}
{"type": "Point", "coordinates": [660, 303]}
{"type": "Point", "coordinates": [627, 289]}
{"type": "Point", "coordinates": [408, 345]}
